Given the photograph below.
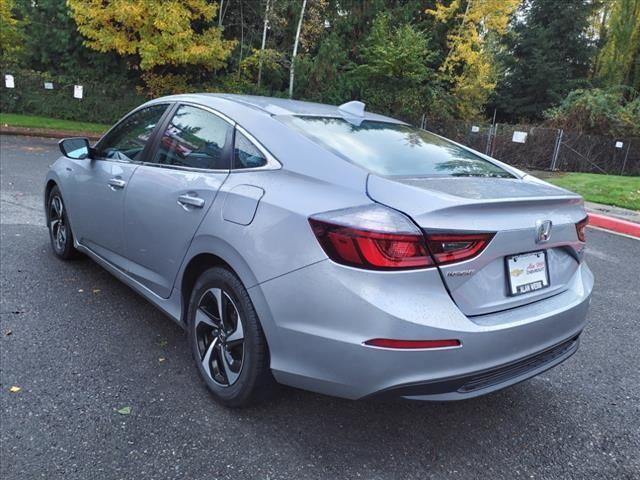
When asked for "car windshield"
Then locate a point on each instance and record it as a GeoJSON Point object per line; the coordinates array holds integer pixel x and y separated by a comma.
{"type": "Point", "coordinates": [392, 149]}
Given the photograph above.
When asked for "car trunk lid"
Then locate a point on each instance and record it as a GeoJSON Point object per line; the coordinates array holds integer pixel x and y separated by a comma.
{"type": "Point", "coordinates": [512, 208]}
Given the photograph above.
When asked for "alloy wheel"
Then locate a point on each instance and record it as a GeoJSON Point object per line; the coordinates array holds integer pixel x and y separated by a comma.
{"type": "Point", "coordinates": [219, 336]}
{"type": "Point", "coordinates": [57, 226]}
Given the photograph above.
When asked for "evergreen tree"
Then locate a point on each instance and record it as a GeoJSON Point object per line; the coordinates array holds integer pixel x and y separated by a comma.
{"type": "Point", "coordinates": [549, 54]}
{"type": "Point", "coordinates": [52, 43]}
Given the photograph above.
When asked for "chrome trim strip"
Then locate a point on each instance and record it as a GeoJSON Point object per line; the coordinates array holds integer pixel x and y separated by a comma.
{"type": "Point", "coordinates": [183, 168]}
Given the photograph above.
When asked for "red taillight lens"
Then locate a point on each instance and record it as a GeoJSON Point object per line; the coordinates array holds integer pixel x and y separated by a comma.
{"type": "Point", "coordinates": [376, 237]}
{"type": "Point", "coordinates": [411, 344]}
{"type": "Point", "coordinates": [371, 249]}
{"type": "Point", "coordinates": [449, 248]}
{"type": "Point", "coordinates": [581, 229]}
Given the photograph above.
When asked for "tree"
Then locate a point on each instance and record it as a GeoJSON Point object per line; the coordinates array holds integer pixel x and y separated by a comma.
{"type": "Point", "coordinates": [619, 58]}
{"type": "Point", "coordinates": [155, 34]}
{"type": "Point", "coordinates": [264, 39]}
{"type": "Point", "coordinates": [11, 34]}
{"type": "Point", "coordinates": [470, 63]}
{"type": "Point", "coordinates": [395, 73]}
{"type": "Point", "coordinates": [295, 49]}
{"type": "Point", "coordinates": [548, 54]}
{"type": "Point", "coordinates": [52, 44]}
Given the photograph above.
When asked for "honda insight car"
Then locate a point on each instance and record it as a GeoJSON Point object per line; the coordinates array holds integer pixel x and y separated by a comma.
{"type": "Point", "coordinates": [327, 248]}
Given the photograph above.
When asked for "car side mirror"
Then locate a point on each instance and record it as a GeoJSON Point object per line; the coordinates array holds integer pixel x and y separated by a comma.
{"type": "Point", "coordinates": [76, 148]}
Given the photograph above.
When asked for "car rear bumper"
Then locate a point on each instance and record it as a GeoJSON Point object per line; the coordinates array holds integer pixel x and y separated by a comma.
{"type": "Point", "coordinates": [480, 383]}
{"type": "Point", "coordinates": [318, 318]}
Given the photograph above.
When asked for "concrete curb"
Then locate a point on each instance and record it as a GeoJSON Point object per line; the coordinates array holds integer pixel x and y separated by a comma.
{"type": "Point", "coordinates": [614, 224]}
{"type": "Point", "coordinates": [46, 132]}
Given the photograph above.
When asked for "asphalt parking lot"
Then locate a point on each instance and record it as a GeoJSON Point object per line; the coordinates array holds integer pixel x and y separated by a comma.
{"type": "Point", "coordinates": [82, 346]}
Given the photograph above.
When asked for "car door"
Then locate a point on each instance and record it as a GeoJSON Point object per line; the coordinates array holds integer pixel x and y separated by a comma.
{"type": "Point", "coordinates": [169, 195]}
{"type": "Point", "coordinates": [100, 184]}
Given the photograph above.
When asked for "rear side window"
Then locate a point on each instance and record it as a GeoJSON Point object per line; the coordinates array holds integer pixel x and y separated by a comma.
{"type": "Point", "coordinates": [246, 154]}
{"type": "Point", "coordinates": [194, 138]}
{"type": "Point", "coordinates": [127, 139]}
{"type": "Point", "coordinates": [392, 149]}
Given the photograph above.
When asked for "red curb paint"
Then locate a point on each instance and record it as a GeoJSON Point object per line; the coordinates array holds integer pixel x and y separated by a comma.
{"type": "Point", "coordinates": [615, 224]}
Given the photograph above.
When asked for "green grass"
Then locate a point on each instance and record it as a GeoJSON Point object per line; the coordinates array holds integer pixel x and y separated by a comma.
{"type": "Point", "coordinates": [608, 189]}
{"type": "Point", "coordinates": [31, 121]}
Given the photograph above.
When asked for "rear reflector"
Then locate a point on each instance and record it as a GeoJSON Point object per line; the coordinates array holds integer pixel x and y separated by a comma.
{"type": "Point", "coordinates": [411, 344]}
{"type": "Point", "coordinates": [456, 247]}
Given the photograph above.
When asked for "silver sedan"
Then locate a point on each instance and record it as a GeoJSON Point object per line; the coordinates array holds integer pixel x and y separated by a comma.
{"type": "Point", "coordinates": [327, 248]}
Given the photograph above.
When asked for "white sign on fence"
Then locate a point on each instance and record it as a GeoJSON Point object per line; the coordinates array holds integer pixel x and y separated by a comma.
{"type": "Point", "coordinates": [619, 144]}
{"type": "Point", "coordinates": [77, 91]}
{"type": "Point", "coordinates": [48, 85]}
{"type": "Point", "coordinates": [475, 129]}
{"type": "Point", "coordinates": [519, 137]}
{"type": "Point", "coordinates": [9, 82]}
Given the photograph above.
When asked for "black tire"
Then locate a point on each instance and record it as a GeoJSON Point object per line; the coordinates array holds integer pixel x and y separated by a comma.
{"type": "Point", "coordinates": [59, 228]}
{"type": "Point", "coordinates": [237, 374]}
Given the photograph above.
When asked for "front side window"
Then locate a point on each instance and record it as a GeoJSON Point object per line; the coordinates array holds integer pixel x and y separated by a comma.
{"type": "Point", "coordinates": [127, 139]}
{"type": "Point", "coordinates": [246, 154]}
{"type": "Point", "coordinates": [392, 149]}
{"type": "Point", "coordinates": [194, 138]}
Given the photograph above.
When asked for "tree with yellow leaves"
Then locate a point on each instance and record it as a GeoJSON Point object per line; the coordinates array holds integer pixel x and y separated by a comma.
{"type": "Point", "coordinates": [619, 60]}
{"type": "Point", "coordinates": [171, 32]}
{"type": "Point", "coordinates": [10, 32]}
{"type": "Point", "coordinates": [469, 63]}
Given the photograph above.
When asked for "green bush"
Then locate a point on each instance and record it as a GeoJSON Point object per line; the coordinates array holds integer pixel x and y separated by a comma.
{"type": "Point", "coordinates": [613, 112]}
{"type": "Point", "coordinates": [103, 102]}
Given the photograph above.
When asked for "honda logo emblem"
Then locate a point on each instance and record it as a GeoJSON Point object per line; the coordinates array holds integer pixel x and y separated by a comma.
{"type": "Point", "coordinates": [543, 230]}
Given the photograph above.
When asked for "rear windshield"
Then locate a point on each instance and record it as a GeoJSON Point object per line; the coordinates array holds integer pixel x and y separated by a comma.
{"type": "Point", "coordinates": [391, 149]}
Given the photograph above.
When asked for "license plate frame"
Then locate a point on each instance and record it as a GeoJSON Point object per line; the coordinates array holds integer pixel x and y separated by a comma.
{"type": "Point", "coordinates": [539, 279]}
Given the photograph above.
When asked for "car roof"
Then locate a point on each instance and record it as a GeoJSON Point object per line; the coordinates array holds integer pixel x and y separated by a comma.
{"type": "Point", "coordinates": [272, 106]}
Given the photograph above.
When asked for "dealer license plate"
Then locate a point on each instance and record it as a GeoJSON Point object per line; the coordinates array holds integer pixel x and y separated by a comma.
{"type": "Point", "coordinates": [527, 272]}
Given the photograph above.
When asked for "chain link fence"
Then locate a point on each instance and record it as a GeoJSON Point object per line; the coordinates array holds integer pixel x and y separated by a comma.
{"type": "Point", "coordinates": [541, 148]}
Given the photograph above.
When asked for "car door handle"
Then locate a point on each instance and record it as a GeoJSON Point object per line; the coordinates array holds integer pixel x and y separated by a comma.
{"type": "Point", "coordinates": [116, 183]}
{"type": "Point", "coordinates": [189, 200]}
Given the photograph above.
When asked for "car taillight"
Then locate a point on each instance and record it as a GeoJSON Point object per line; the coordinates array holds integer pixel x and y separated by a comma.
{"type": "Point", "coordinates": [372, 237]}
{"type": "Point", "coordinates": [456, 247]}
{"type": "Point", "coordinates": [581, 229]}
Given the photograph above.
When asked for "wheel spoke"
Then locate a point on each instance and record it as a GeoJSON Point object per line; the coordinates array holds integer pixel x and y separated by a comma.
{"type": "Point", "coordinates": [226, 366]}
{"type": "Point", "coordinates": [237, 335]}
{"type": "Point", "coordinates": [57, 206]}
{"type": "Point", "coordinates": [53, 224]}
{"type": "Point", "coordinates": [206, 360]}
{"type": "Point", "coordinates": [217, 293]}
{"type": "Point", "coordinates": [202, 316]}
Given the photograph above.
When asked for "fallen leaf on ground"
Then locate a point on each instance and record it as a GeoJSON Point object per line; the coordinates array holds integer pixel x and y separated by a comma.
{"type": "Point", "coordinates": [15, 389]}
{"type": "Point", "coordinates": [163, 343]}
{"type": "Point", "coordinates": [96, 290]}
{"type": "Point", "coordinates": [161, 359]}
{"type": "Point", "coordinates": [8, 332]}
{"type": "Point", "coordinates": [80, 290]}
{"type": "Point", "coordinates": [124, 411]}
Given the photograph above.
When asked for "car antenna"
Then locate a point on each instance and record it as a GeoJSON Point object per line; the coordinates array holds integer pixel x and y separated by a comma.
{"type": "Point", "coordinates": [353, 112]}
